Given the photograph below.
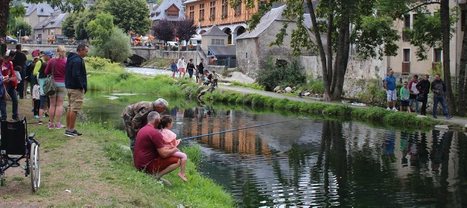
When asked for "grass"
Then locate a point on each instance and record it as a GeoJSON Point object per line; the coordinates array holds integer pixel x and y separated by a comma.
{"type": "Point", "coordinates": [95, 170]}
{"type": "Point", "coordinates": [255, 86]}
{"type": "Point", "coordinates": [159, 63]}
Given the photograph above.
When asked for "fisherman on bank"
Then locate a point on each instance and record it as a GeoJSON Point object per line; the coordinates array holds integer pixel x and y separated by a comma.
{"type": "Point", "coordinates": [135, 116]}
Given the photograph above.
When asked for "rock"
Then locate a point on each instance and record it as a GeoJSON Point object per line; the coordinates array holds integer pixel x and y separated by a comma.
{"type": "Point", "coordinates": [306, 93]}
{"type": "Point", "coordinates": [443, 127]}
{"type": "Point", "coordinates": [288, 89]}
{"type": "Point", "coordinates": [276, 89]}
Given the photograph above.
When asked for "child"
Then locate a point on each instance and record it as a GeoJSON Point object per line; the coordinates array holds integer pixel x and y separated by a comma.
{"type": "Point", "coordinates": [36, 99]}
{"type": "Point", "coordinates": [405, 96]}
{"type": "Point", "coordinates": [170, 140]}
{"type": "Point", "coordinates": [174, 69]}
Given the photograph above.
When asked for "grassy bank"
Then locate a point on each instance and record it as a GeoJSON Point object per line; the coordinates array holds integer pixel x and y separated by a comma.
{"type": "Point", "coordinates": [329, 110]}
{"type": "Point", "coordinates": [95, 170]}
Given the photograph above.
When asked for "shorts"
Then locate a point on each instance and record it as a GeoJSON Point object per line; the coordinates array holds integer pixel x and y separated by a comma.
{"type": "Point", "coordinates": [405, 103]}
{"type": "Point", "coordinates": [391, 95]}
{"type": "Point", "coordinates": [43, 102]}
{"type": "Point", "coordinates": [413, 96]}
{"type": "Point", "coordinates": [181, 70]}
{"type": "Point", "coordinates": [75, 99]}
{"type": "Point", "coordinates": [160, 164]}
{"type": "Point", "coordinates": [60, 90]}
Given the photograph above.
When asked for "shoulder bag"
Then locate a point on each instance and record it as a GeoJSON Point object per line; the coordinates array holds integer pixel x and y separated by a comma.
{"type": "Point", "coordinates": [49, 86]}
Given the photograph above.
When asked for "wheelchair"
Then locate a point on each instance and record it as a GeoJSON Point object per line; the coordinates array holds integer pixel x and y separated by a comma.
{"type": "Point", "coordinates": [15, 145]}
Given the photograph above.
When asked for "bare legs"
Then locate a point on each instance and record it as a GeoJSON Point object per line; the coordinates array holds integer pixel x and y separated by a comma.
{"type": "Point", "coordinates": [56, 109]}
{"type": "Point", "coordinates": [71, 120]}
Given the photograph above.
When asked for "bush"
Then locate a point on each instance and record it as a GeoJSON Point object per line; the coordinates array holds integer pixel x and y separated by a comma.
{"type": "Point", "coordinates": [280, 75]}
{"type": "Point", "coordinates": [98, 64]}
{"type": "Point", "coordinates": [116, 48]}
{"type": "Point", "coordinates": [373, 94]}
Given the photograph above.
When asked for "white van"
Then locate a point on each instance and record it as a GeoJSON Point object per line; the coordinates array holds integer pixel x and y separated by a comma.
{"type": "Point", "coordinates": [172, 44]}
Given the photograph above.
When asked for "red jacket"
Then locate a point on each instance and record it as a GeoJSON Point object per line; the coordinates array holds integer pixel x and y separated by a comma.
{"type": "Point", "coordinates": [8, 70]}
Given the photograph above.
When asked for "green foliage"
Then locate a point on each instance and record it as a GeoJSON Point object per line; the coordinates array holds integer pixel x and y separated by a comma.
{"type": "Point", "coordinates": [99, 29]}
{"type": "Point", "coordinates": [255, 86]}
{"type": "Point", "coordinates": [315, 86]}
{"type": "Point", "coordinates": [20, 25]}
{"type": "Point", "coordinates": [373, 94]}
{"type": "Point", "coordinates": [97, 64]}
{"type": "Point", "coordinates": [129, 15]}
{"type": "Point", "coordinates": [116, 47]}
{"type": "Point", "coordinates": [68, 25]}
{"type": "Point", "coordinates": [279, 75]}
{"type": "Point", "coordinates": [373, 32]}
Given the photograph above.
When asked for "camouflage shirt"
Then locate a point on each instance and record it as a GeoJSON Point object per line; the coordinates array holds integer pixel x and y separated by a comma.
{"type": "Point", "coordinates": [135, 116]}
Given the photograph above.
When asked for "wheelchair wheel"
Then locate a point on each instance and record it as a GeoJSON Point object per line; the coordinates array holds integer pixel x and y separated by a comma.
{"type": "Point", "coordinates": [34, 167]}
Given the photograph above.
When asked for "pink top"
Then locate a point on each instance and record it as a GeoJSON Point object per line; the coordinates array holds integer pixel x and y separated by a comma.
{"type": "Point", "coordinates": [59, 64]}
{"type": "Point", "coordinates": [169, 138]}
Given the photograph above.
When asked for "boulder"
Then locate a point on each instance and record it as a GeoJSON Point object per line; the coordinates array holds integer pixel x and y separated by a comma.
{"type": "Point", "coordinates": [288, 89]}
{"type": "Point", "coordinates": [276, 89]}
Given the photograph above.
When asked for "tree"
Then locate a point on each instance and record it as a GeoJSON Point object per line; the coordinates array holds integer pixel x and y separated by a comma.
{"type": "Point", "coordinates": [185, 29]}
{"type": "Point", "coordinates": [331, 35]}
{"type": "Point", "coordinates": [130, 15]}
{"type": "Point", "coordinates": [164, 30]}
{"type": "Point", "coordinates": [116, 48]}
{"type": "Point", "coordinates": [68, 25]}
{"type": "Point", "coordinates": [21, 28]}
{"type": "Point", "coordinates": [100, 28]}
{"type": "Point", "coordinates": [462, 87]}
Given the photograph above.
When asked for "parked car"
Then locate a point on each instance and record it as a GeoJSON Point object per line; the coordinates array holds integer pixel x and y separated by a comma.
{"type": "Point", "coordinates": [172, 44]}
{"type": "Point", "coordinates": [11, 40]}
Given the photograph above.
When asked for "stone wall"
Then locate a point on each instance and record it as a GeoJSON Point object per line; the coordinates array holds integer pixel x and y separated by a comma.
{"type": "Point", "coordinates": [357, 75]}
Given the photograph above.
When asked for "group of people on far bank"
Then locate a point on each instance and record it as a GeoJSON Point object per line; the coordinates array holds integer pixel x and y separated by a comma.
{"type": "Point", "coordinates": [414, 91]}
{"type": "Point", "coordinates": [202, 76]}
{"type": "Point", "coordinates": [68, 75]}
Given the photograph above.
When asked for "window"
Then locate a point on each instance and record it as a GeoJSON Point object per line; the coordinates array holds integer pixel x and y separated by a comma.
{"type": "Point", "coordinates": [217, 42]}
{"type": "Point", "coordinates": [224, 9]}
{"type": "Point", "coordinates": [212, 10]}
{"type": "Point", "coordinates": [201, 12]}
{"type": "Point", "coordinates": [407, 21]}
{"type": "Point", "coordinates": [238, 10]}
{"type": "Point", "coordinates": [192, 12]}
{"type": "Point", "coordinates": [437, 55]}
{"type": "Point", "coordinates": [406, 55]}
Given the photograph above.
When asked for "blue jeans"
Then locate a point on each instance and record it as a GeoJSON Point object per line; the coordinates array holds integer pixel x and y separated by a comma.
{"type": "Point", "coordinates": [14, 99]}
{"type": "Point", "coordinates": [441, 99]}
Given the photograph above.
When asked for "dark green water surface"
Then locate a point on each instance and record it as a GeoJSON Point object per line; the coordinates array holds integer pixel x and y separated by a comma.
{"type": "Point", "coordinates": [304, 162]}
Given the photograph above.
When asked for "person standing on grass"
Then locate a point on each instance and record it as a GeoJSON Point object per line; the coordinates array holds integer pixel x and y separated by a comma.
{"type": "Point", "coordinates": [135, 116]}
{"type": "Point", "coordinates": [439, 91]}
{"type": "Point", "coordinates": [76, 85]}
{"type": "Point", "coordinates": [56, 67]}
{"type": "Point", "coordinates": [413, 92]}
{"type": "Point", "coordinates": [181, 65]}
{"type": "Point", "coordinates": [173, 68]}
{"type": "Point", "coordinates": [151, 155]}
{"type": "Point", "coordinates": [9, 86]}
{"type": "Point", "coordinates": [390, 87]}
{"type": "Point", "coordinates": [405, 96]}
{"type": "Point", "coordinates": [423, 87]}
{"type": "Point", "coordinates": [20, 61]}
{"type": "Point", "coordinates": [44, 103]}
{"type": "Point", "coordinates": [190, 67]}
{"type": "Point", "coordinates": [200, 75]}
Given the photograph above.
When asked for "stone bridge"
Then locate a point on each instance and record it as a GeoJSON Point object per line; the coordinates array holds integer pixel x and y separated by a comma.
{"type": "Point", "coordinates": [139, 54]}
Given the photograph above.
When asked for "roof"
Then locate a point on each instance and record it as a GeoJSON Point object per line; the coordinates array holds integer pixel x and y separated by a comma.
{"type": "Point", "coordinates": [42, 9]}
{"type": "Point", "coordinates": [214, 31]}
{"type": "Point", "coordinates": [264, 23]}
{"type": "Point", "coordinates": [190, 1]}
{"type": "Point", "coordinates": [229, 50]}
{"type": "Point", "coordinates": [160, 11]}
{"type": "Point", "coordinates": [274, 15]}
{"type": "Point", "coordinates": [52, 22]}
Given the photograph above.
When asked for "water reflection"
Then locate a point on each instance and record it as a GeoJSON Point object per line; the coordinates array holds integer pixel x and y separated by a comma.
{"type": "Point", "coordinates": [328, 163]}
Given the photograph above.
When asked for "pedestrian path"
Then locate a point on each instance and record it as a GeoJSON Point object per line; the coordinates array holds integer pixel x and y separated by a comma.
{"type": "Point", "coordinates": [458, 121]}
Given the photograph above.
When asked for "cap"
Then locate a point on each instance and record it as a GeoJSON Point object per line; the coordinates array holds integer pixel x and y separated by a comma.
{"type": "Point", "coordinates": [35, 53]}
{"type": "Point", "coordinates": [49, 53]}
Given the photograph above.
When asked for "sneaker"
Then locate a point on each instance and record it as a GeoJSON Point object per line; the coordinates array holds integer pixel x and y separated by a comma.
{"type": "Point", "coordinates": [51, 125]}
{"type": "Point", "coordinates": [448, 117]}
{"type": "Point", "coordinates": [39, 122]}
{"type": "Point", "coordinates": [36, 117]}
{"type": "Point", "coordinates": [394, 109]}
{"type": "Point", "coordinates": [388, 108]}
{"type": "Point", "coordinates": [69, 133]}
{"type": "Point", "coordinates": [76, 133]}
{"type": "Point", "coordinates": [58, 125]}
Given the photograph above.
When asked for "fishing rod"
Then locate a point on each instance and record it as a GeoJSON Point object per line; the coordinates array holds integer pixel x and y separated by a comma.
{"type": "Point", "coordinates": [231, 130]}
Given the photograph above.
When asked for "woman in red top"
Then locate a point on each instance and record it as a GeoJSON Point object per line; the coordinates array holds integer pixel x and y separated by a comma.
{"type": "Point", "coordinates": [56, 66]}
{"type": "Point", "coordinates": [9, 83]}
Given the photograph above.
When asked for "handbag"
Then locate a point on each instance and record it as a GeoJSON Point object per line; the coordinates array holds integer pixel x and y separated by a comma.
{"type": "Point", "coordinates": [49, 86]}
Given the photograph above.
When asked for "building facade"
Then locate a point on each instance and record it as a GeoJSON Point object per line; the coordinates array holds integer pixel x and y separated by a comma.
{"type": "Point", "coordinates": [232, 21]}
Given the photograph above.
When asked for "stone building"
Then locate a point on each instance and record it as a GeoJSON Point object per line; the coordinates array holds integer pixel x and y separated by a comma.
{"type": "Point", "coordinates": [171, 10]}
{"type": "Point", "coordinates": [254, 48]}
{"type": "Point", "coordinates": [49, 29]}
{"type": "Point", "coordinates": [36, 13]}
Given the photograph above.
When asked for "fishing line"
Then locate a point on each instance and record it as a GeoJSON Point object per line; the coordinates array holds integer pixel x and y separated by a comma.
{"type": "Point", "coordinates": [236, 129]}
